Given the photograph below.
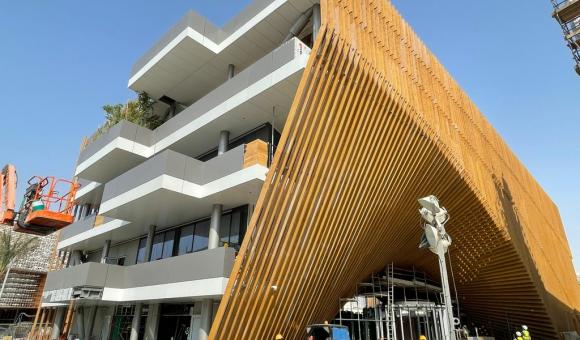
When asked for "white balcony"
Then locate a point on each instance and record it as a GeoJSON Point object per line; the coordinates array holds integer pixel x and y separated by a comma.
{"type": "Point", "coordinates": [238, 105]}
{"type": "Point", "coordinates": [171, 188]}
{"type": "Point", "coordinates": [192, 58]}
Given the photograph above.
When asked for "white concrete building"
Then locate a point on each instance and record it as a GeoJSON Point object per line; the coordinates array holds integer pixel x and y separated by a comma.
{"type": "Point", "coordinates": [161, 213]}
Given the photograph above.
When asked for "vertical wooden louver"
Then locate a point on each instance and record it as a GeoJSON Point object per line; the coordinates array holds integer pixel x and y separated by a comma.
{"type": "Point", "coordinates": [376, 123]}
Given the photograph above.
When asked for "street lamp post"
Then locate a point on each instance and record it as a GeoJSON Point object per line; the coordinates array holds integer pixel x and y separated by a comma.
{"type": "Point", "coordinates": [437, 240]}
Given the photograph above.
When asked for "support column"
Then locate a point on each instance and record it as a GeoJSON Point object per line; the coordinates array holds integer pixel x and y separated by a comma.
{"type": "Point", "coordinates": [206, 315]}
{"type": "Point", "coordinates": [105, 252]}
{"type": "Point", "coordinates": [149, 243]}
{"type": "Point", "coordinates": [136, 323]}
{"type": "Point", "coordinates": [231, 71]}
{"type": "Point", "coordinates": [75, 258]}
{"type": "Point", "coordinates": [214, 227]}
{"type": "Point", "coordinates": [152, 324]}
{"type": "Point", "coordinates": [91, 322]}
{"type": "Point", "coordinates": [224, 141]}
{"type": "Point", "coordinates": [58, 320]}
{"type": "Point", "coordinates": [80, 321]}
{"type": "Point", "coordinates": [315, 21]}
{"type": "Point", "coordinates": [107, 322]}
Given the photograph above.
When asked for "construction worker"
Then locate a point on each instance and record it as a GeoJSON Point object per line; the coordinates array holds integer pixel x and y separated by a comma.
{"type": "Point", "coordinates": [526, 333]}
{"type": "Point", "coordinates": [519, 335]}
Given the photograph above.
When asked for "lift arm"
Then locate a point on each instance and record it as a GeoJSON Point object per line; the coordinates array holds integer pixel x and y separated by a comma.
{"type": "Point", "coordinates": [8, 182]}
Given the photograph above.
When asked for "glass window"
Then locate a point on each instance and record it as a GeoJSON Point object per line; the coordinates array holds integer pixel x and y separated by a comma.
{"type": "Point", "coordinates": [157, 249]}
{"type": "Point", "coordinates": [235, 226]}
{"type": "Point", "coordinates": [168, 244]}
{"type": "Point", "coordinates": [141, 250]}
{"type": "Point", "coordinates": [185, 240]}
{"type": "Point", "coordinates": [200, 240]}
{"type": "Point", "coordinates": [225, 228]}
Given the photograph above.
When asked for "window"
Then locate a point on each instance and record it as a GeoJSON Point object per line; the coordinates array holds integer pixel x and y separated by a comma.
{"type": "Point", "coordinates": [225, 228]}
{"type": "Point", "coordinates": [157, 249]}
{"type": "Point", "coordinates": [233, 226]}
{"type": "Point", "coordinates": [168, 244]}
{"type": "Point", "coordinates": [201, 237]}
{"type": "Point", "coordinates": [185, 240]}
{"type": "Point", "coordinates": [141, 250]}
{"type": "Point", "coordinates": [195, 236]}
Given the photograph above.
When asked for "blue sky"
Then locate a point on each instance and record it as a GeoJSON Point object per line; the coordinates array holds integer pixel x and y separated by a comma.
{"type": "Point", "coordinates": [61, 61]}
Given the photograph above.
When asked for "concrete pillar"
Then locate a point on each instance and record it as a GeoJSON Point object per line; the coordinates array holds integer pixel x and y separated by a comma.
{"type": "Point", "coordinates": [206, 316]}
{"type": "Point", "coordinates": [214, 227]}
{"type": "Point", "coordinates": [58, 320]}
{"type": "Point", "coordinates": [80, 321]}
{"type": "Point", "coordinates": [105, 252]}
{"type": "Point", "coordinates": [231, 71]}
{"type": "Point", "coordinates": [136, 323]}
{"type": "Point", "coordinates": [91, 321]}
{"type": "Point", "coordinates": [224, 141]}
{"type": "Point", "coordinates": [75, 257]}
{"type": "Point", "coordinates": [107, 322]}
{"type": "Point", "coordinates": [149, 243]}
{"type": "Point", "coordinates": [152, 324]}
{"type": "Point", "coordinates": [315, 21]}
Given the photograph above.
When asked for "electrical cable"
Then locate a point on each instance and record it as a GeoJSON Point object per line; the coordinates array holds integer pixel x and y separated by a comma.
{"type": "Point", "coordinates": [454, 286]}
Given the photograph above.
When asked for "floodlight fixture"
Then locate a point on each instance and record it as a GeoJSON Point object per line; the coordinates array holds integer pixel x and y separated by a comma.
{"type": "Point", "coordinates": [438, 241]}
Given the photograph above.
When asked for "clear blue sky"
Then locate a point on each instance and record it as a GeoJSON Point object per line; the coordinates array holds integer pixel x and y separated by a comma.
{"type": "Point", "coordinates": [60, 61]}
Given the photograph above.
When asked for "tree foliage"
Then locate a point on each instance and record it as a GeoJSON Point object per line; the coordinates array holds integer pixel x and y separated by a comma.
{"type": "Point", "coordinates": [138, 111]}
{"type": "Point", "coordinates": [14, 246]}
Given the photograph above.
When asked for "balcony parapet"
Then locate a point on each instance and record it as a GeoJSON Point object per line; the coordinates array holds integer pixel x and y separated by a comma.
{"type": "Point", "coordinates": [238, 105]}
{"type": "Point", "coordinates": [197, 275]}
{"type": "Point", "coordinates": [172, 188]}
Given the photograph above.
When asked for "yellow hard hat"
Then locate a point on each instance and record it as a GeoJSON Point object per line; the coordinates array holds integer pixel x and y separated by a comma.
{"type": "Point", "coordinates": [422, 337]}
{"type": "Point", "coordinates": [279, 337]}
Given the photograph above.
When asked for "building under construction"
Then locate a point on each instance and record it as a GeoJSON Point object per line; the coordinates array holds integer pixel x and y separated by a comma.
{"type": "Point", "coordinates": [281, 191]}
{"type": "Point", "coordinates": [567, 14]}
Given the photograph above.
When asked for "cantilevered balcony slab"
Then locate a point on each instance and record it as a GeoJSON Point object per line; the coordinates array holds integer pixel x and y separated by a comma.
{"type": "Point", "coordinates": [192, 58]}
{"type": "Point", "coordinates": [261, 93]}
{"type": "Point", "coordinates": [122, 147]}
{"type": "Point", "coordinates": [89, 233]}
{"type": "Point", "coordinates": [90, 192]}
{"type": "Point", "coordinates": [171, 188]}
{"type": "Point", "coordinates": [192, 276]}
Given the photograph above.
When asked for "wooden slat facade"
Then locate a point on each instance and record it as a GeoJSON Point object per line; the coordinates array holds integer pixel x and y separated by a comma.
{"type": "Point", "coordinates": [376, 123]}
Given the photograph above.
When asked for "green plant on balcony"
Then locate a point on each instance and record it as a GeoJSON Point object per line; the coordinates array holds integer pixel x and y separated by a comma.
{"type": "Point", "coordinates": [138, 111]}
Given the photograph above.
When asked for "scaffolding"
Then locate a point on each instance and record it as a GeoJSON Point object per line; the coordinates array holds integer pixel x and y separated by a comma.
{"type": "Point", "coordinates": [395, 304]}
{"type": "Point", "coordinates": [567, 14]}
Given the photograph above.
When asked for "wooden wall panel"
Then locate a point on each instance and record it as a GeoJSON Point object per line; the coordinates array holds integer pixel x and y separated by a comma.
{"type": "Point", "coordinates": [376, 123]}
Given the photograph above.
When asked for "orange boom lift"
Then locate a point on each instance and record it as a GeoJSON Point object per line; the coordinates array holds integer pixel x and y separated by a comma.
{"type": "Point", "coordinates": [44, 209]}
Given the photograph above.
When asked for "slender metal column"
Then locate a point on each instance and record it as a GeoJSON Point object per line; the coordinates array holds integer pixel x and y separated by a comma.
{"type": "Point", "coordinates": [105, 253]}
{"type": "Point", "coordinates": [214, 227]}
{"type": "Point", "coordinates": [205, 324]}
{"type": "Point", "coordinates": [149, 243]}
{"type": "Point", "coordinates": [231, 71]}
{"type": "Point", "coordinates": [315, 21]}
{"type": "Point", "coordinates": [136, 323]}
{"type": "Point", "coordinates": [223, 143]}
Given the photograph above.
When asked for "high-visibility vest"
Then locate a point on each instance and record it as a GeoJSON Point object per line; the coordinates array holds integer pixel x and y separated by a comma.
{"type": "Point", "coordinates": [520, 338]}
{"type": "Point", "coordinates": [526, 335]}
